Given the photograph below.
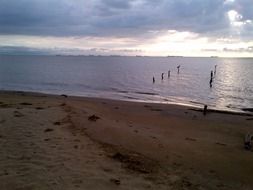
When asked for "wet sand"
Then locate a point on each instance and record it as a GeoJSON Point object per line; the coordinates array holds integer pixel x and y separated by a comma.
{"type": "Point", "coordinates": [61, 142]}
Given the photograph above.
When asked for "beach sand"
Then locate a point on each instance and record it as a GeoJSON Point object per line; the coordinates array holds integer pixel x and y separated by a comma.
{"type": "Point", "coordinates": [67, 143]}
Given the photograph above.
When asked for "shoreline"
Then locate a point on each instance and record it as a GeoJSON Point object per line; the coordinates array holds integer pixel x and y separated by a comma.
{"type": "Point", "coordinates": [191, 105]}
{"type": "Point", "coordinates": [65, 142]}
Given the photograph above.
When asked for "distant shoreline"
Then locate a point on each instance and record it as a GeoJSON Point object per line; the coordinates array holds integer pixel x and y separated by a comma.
{"type": "Point", "coordinates": [138, 56]}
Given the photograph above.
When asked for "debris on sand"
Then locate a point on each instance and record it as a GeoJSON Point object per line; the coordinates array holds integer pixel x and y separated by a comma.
{"type": "Point", "coordinates": [93, 118]}
{"type": "Point", "coordinates": [48, 130]}
{"type": "Point", "coordinates": [25, 104]}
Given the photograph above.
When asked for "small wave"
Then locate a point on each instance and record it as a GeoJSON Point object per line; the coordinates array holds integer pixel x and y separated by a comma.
{"type": "Point", "coordinates": [120, 91]}
{"type": "Point", "coordinates": [195, 102]}
{"type": "Point", "coordinates": [131, 98]}
{"type": "Point", "coordinates": [147, 93]}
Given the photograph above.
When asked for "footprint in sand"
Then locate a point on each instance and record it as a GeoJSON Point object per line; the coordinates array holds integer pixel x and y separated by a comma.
{"type": "Point", "coordinates": [177, 164]}
{"type": "Point", "coordinates": [212, 172]}
{"type": "Point", "coordinates": [57, 123]}
{"type": "Point", "coordinates": [39, 108]}
{"type": "Point", "coordinates": [115, 181]}
{"type": "Point", "coordinates": [221, 144]}
{"type": "Point", "coordinates": [2, 121]}
{"type": "Point", "coordinates": [190, 139]}
{"type": "Point", "coordinates": [156, 109]}
{"type": "Point", "coordinates": [5, 105]}
{"type": "Point", "coordinates": [63, 104]}
{"type": "Point", "coordinates": [18, 114]}
{"type": "Point", "coordinates": [77, 181]}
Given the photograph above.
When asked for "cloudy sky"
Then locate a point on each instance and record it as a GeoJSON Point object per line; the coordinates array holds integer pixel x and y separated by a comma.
{"type": "Point", "coordinates": [127, 27]}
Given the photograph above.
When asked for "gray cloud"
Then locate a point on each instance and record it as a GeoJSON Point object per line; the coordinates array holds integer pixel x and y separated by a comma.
{"type": "Point", "coordinates": [240, 50]}
{"type": "Point", "coordinates": [248, 49]}
{"type": "Point", "coordinates": [119, 17]}
{"type": "Point", "coordinates": [20, 50]}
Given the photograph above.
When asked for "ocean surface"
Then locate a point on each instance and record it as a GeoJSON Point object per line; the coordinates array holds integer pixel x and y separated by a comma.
{"type": "Point", "coordinates": [130, 78]}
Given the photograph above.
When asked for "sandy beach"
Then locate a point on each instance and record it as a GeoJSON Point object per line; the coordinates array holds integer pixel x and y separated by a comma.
{"type": "Point", "coordinates": [62, 142]}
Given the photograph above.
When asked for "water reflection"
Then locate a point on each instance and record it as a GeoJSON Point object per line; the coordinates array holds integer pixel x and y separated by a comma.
{"type": "Point", "coordinates": [233, 84]}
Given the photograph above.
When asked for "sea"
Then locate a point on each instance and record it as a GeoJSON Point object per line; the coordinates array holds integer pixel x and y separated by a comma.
{"type": "Point", "coordinates": [131, 78]}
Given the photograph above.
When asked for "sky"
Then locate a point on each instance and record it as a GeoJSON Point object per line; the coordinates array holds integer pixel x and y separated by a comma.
{"type": "Point", "coordinates": [127, 27]}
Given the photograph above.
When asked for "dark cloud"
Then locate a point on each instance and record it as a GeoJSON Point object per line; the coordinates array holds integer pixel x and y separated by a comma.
{"type": "Point", "coordinates": [119, 17]}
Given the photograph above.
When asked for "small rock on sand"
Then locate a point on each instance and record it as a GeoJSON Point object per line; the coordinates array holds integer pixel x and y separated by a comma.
{"type": "Point", "coordinates": [93, 118]}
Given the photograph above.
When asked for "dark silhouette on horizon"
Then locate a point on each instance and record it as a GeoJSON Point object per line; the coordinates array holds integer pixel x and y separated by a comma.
{"type": "Point", "coordinates": [211, 82]}
{"type": "Point", "coordinates": [211, 79]}
{"type": "Point", "coordinates": [178, 67]}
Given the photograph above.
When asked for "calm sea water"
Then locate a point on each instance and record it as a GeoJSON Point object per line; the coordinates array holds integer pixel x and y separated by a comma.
{"type": "Point", "coordinates": [130, 78]}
